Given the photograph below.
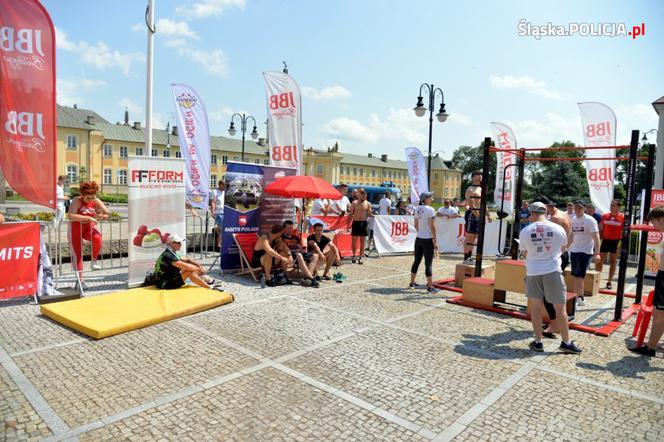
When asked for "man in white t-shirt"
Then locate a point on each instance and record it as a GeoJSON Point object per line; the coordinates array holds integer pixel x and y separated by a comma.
{"type": "Point", "coordinates": [217, 198]}
{"type": "Point", "coordinates": [583, 246]}
{"type": "Point", "coordinates": [60, 199]}
{"type": "Point", "coordinates": [425, 242]}
{"type": "Point", "coordinates": [341, 206]}
{"type": "Point", "coordinates": [320, 207]}
{"type": "Point", "coordinates": [385, 204]}
{"type": "Point", "coordinates": [447, 211]}
{"type": "Point", "coordinates": [543, 242]}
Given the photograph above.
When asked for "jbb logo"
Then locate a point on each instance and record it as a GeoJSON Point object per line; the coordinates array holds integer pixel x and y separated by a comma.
{"type": "Point", "coordinates": [399, 228]}
{"type": "Point", "coordinates": [282, 101]}
{"type": "Point", "coordinates": [284, 153]}
{"type": "Point", "coordinates": [25, 41]}
{"type": "Point", "coordinates": [598, 130]}
{"type": "Point", "coordinates": [600, 174]}
{"type": "Point", "coordinates": [25, 123]}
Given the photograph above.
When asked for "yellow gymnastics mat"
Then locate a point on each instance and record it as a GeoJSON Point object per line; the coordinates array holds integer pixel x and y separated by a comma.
{"type": "Point", "coordinates": [126, 310]}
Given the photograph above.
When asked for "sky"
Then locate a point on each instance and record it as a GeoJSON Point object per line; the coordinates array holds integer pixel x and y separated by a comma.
{"type": "Point", "coordinates": [360, 64]}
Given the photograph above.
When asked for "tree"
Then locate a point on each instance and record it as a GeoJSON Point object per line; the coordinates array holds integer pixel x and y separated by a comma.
{"type": "Point", "coordinates": [468, 159]}
{"type": "Point", "coordinates": [559, 180]}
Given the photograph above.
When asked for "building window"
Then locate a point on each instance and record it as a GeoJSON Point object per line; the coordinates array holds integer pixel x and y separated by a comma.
{"type": "Point", "coordinates": [213, 181]}
{"type": "Point", "coordinates": [108, 176]}
{"type": "Point", "coordinates": [124, 152]}
{"type": "Point", "coordinates": [122, 177]}
{"type": "Point", "coordinates": [213, 159]}
{"type": "Point", "coordinates": [347, 170]}
{"type": "Point", "coordinates": [224, 159]}
{"type": "Point", "coordinates": [236, 158]}
{"type": "Point", "coordinates": [154, 152]}
{"type": "Point", "coordinates": [435, 176]}
{"type": "Point", "coordinates": [361, 171]}
{"type": "Point", "coordinates": [72, 172]}
{"type": "Point", "coordinates": [266, 161]}
{"type": "Point", "coordinates": [178, 154]}
{"type": "Point", "coordinates": [319, 169]}
{"type": "Point", "coordinates": [373, 173]}
{"type": "Point", "coordinates": [355, 171]}
{"type": "Point", "coordinates": [257, 161]}
{"type": "Point", "coordinates": [139, 151]}
{"type": "Point", "coordinates": [167, 153]}
{"type": "Point", "coordinates": [108, 150]}
{"type": "Point", "coordinates": [72, 142]}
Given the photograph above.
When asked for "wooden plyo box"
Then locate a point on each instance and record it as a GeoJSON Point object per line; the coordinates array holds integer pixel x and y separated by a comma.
{"type": "Point", "coordinates": [590, 282]}
{"type": "Point", "coordinates": [464, 271]}
{"type": "Point", "coordinates": [478, 291]}
{"type": "Point", "coordinates": [511, 275]}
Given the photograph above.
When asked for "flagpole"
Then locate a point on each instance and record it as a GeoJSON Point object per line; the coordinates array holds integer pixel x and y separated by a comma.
{"type": "Point", "coordinates": [149, 21]}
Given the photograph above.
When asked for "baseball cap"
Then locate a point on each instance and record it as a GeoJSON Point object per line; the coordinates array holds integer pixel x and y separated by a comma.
{"type": "Point", "coordinates": [580, 203]}
{"type": "Point", "coordinates": [425, 195]}
{"type": "Point", "coordinates": [174, 238]}
{"type": "Point", "coordinates": [537, 207]}
{"type": "Point", "coordinates": [543, 199]}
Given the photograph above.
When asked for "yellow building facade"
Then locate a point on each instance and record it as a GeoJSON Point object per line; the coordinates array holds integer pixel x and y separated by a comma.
{"type": "Point", "coordinates": [90, 146]}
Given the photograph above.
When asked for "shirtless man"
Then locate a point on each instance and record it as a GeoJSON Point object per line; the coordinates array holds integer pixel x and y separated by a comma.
{"type": "Point", "coordinates": [360, 211]}
{"type": "Point", "coordinates": [473, 199]}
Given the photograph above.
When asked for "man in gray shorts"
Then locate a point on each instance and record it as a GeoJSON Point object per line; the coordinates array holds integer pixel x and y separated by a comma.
{"type": "Point", "coordinates": [543, 242]}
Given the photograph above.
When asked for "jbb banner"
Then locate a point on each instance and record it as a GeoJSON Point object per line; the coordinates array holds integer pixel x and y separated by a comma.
{"type": "Point", "coordinates": [19, 259]}
{"type": "Point", "coordinates": [156, 210]}
{"type": "Point", "coordinates": [505, 140]}
{"type": "Point", "coordinates": [27, 100]}
{"type": "Point", "coordinates": [394, 234]}
{"type": "Point", "coordinates": [284, 112]}
{"type": "Point", "coordinates": [655, 238]}
{"type": "Point", "coordinates": [451, 235]}
{"type": "Point", "coordinates": [247, 209]}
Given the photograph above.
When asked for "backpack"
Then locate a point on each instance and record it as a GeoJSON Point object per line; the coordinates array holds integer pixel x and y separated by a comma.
{"type": "Point", "coordinates": [280, 278]}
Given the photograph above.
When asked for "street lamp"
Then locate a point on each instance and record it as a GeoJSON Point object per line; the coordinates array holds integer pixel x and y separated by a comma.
{"type": "Point", "coordinates": [243, 127]}
{"type": "Point", "coordinates": [644, 139]}
{"type": "Point", "coordinates": [420, 110]}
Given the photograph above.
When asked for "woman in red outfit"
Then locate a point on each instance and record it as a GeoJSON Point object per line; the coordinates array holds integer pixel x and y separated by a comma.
{"type": "Point", "coordinates": [84, 212]}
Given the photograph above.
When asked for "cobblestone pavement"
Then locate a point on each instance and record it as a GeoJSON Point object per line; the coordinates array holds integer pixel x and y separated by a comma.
{"type": "Point", "coordinates": [364, 360]}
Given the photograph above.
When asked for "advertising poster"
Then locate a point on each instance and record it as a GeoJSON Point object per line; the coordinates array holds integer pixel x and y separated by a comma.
{"type": "Point", "coordinates": [247, 208]}
{"type": "Point", "coordinates": [19, 259]}
{"type": "Point", "coordinates": [655, 239]}
{"type": "Point", "coordinates": [156, 210]}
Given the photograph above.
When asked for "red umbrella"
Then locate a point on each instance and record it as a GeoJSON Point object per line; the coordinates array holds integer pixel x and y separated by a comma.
{"type": "Point", "coordinates": [299, 186]}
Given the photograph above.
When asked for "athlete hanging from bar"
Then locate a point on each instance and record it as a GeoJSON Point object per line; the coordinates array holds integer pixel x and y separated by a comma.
{"type": "Point", "coordinates": [473, 202]}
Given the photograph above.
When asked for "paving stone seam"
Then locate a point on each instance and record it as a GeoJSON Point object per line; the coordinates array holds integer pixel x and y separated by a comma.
{"type": "Point", "coordinates": [49, 347]}
{"type": "Point", "coordinates": [33, 396]}
{"type": "Point", "coordinates": [466, 419]}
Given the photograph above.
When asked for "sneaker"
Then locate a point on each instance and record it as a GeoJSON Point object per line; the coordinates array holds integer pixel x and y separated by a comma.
{"type": "Point", "coordinates": [432, 290]}
{"type": "Point", "coordinates": [580, 302]}
{"type": "Point", "coordinates": [315, 284]}
{"type": "Point", "coordinates": [569, 348]}
{"type": "Point", "coordinates": [353, 260]}
{"type": "Point", "coordinates": [95, 266]}
{"type": "Point", "coordinates": [412, 285]}
{"type": "Point", "coordinates": [359, 261]}
{"type": "Point", "coordinates": [216, 284]}
{"type": "Point", "coordinates": [609, 286]}
{"type": "Point", "coordinates": [469, 261]}
{"type": "Point", "coordinates": [217, 288]}
{"type": "Point", "coordinates": [536, 346]}
{"type": "Point", "coordinates": [317, 278]}
{"type": "Point", "coordinates": [269, 283]}
{"type": "Point", "coordinates": [644, 350]}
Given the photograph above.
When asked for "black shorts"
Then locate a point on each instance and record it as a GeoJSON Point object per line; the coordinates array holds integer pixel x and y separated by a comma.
{"type": "Point", "coordinates": [609, 246]}
{"type": "Point", "coordinates": [306, 255]}
{"type": "Point", "coordinates": [359, 228]}
{"type": "Point", "coordinates": [658, 300]}
{"type": "Point", "coordinates": [256, 259]}
{"type": "Point", "coordinates": [472, 221]}
{"type": "Point", "coordinates": [580, 262]}
{"type": "Point", "coordinates": [169, 284]}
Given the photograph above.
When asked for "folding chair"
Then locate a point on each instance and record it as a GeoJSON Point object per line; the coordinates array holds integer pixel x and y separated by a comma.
{"type": "Point", "coordinates": [245, 244]}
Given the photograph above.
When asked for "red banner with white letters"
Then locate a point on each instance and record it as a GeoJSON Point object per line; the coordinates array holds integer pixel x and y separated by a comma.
{"type": "Point", "coordinates": [19, 259]}
{"type": "Point", "coordinates": [27, 100]}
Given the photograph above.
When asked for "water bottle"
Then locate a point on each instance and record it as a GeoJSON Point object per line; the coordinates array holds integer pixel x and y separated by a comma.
{"type": "Point", "coordinates": [262, 281]}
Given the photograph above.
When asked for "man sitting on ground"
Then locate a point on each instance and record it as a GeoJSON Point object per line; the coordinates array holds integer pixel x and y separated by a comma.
{"type": "Point", "coordinates": [322, 246]}
{"type": "Point", "coordinates": [306, 262]}
{"type": "Point", "coordinates": [265, 254]}
{"type": "Point", "coordinates": [656, 218]}
{"type": "Point", "coordinates": [171, 270]}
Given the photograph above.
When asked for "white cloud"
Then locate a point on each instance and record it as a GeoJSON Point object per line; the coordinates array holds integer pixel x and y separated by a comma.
{"type": "Point", "coordinates": [350, 130]}
{"type": "Point", "coordinates": [166, 26]}
{"type": "Point", "coordinates": [208, 8]}
{"type": "Point", "coordinates": [326, 93]}
{"type": "Point", "coordinates": [460, 119]}
{"type": "Point", "coordinates": [69, 92]}
{"type": "Point", "coordinates": [635, 116]}
{"type": "Point", "coordinates": [99, 54]}
{"type": "Point", "coordinates": [134, 109]}
{"type": "Point", "coordinates": [544, 132]}
{"type": "Point", "coordinates": [175, 43]}
{"type": "Point", "coordinates": [535, 87]}
{"type": "Point", "coordinates": [214, 61]}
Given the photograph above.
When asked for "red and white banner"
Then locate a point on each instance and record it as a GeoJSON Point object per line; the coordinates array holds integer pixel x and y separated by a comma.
{"type": "Point", "coordinates": [27, 100]}
{"type": "Point", "coordinates": [156, 210]}
{"type": "Point", "coordinates": [394, 234]}
{"type": "Point", "coordinates": [284, 110]}
{"type": "Point", "coordinates": [330, 223]}
{"type": "Point", "coordinates": [504, 139]}
{"type": "Point", "coordinates": [451, 235]}
{"type": "Point", "coordinates": [19, 259]}
{"type": "Point", "coordinates": [599, 129]}
{"type": "Point", "coordinates": [194, 137]}
{"type": "Point", "coordinates": [655, 238]}
{"type": "Point", "coordinates": [417, 171]}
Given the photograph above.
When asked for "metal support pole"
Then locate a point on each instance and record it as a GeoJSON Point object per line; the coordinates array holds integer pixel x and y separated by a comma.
{"type": "Point", "coordinates": [629, 205]}
{"type": "Point", "coordinates": [516, 224]}
{"type": "Point", "coordinates": [485, 180]}
{"type": "Point", "coordinates": [432, 94]}
{"type": "Point", "coordinates": [650, 165]}
{"type": "Point", "coordinates": [149, 18]}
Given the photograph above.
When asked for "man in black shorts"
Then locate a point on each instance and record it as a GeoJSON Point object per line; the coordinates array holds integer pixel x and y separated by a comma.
{"type": "Point", "coordinates": [656, 218]}
{"type": "Point", "coordinates": [360, 211]}
{"type": "Point", "coordinates": [171, 271]}
{"type": "Point", "coordinates": [321, 245]}
{"type": "Point", "coordinates": [472, 216]}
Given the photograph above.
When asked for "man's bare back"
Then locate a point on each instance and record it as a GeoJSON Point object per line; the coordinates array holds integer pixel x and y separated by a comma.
{"type": "Point", "coordinates": [559, 217]}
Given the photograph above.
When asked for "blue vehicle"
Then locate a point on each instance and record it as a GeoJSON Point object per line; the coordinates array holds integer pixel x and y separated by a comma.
{"type": "Point", "coordinates": [375, 194]}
